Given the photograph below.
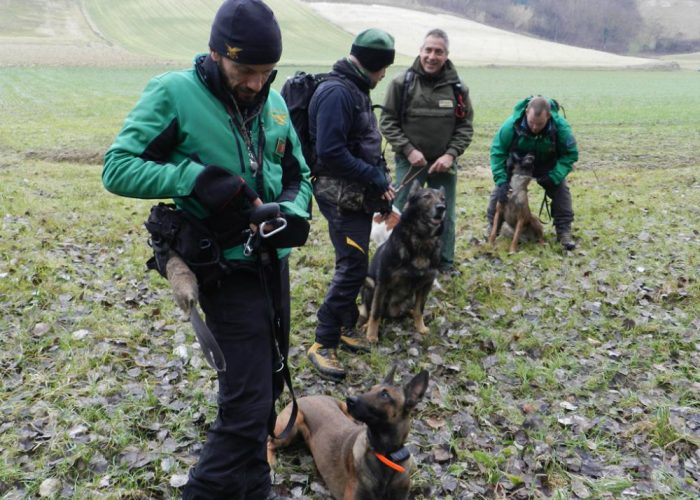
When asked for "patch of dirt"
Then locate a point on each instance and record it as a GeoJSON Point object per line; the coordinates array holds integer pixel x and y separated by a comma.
{"type": "Point", "coordinates": [86, 156]}
{"type": "Point", "coordinates": [38, 53]}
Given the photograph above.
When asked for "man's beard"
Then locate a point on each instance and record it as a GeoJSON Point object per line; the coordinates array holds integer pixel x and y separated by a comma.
{"type": "Point", "coordinates": [246, 99]}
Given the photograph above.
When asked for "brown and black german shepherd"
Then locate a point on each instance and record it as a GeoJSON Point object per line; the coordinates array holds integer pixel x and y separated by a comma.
{"type": "Point", "coordinates": [518, 222]}
{"type": "Point", "coordinates": [358, 445]}
{"type": "Point", "coordinates": [403, 269]}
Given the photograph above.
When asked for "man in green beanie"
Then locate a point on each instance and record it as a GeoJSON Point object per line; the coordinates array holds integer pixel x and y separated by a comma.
{"type": "Point", "coordinates": [351, 183]}
{"type": "Point", "coordinates": [427, 119]}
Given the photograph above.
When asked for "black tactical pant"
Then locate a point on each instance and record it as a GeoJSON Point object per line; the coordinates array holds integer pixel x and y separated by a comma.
{"type": "Point", "coordinates": [349, 233]}
{"type": "Point", "coordinates": [562, 209]}
{"type": "Point", "coordinates": [233, 462]}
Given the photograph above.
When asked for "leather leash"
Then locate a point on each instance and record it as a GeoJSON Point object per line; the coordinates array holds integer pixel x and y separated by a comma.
{"type": "Point", "coordinates": [210, 347]}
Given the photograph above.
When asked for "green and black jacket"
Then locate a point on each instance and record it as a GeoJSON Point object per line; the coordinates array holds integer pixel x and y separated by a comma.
{"type": "Point", "coordinates": [181, 124]}
{"type": "Point", "coordinates": [554, 147]}
{"type": "Point", "coordinates": [428, 123]}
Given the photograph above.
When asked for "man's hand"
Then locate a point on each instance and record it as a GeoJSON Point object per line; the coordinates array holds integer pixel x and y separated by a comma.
{"type": "Point", "coordinates": [416, 159]}
{"type": "Point", "coordinates": [267, 214]}
{"type": "Point", "coordinates": [546, 182]}
{"type": "Point", "coordinates": [220, 190]}
{"type": "Point", "coordinates": [389, 194]}
{"type": "Point", "coordinates": [502, 193]}
{"type": "Point", "coordinates": [442, 164]}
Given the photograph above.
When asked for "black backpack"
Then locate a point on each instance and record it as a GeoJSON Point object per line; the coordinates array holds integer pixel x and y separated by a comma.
{"type": "Point", "coordinates": [297, 92]}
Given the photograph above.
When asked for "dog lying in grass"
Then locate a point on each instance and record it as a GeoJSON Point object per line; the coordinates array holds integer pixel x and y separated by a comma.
{"type": "Point", "coordinates": [402, 270]}
{"type": "Point", "coordinates": [518, 222]}
{"type": "Point", "coordinates": [358, 445]}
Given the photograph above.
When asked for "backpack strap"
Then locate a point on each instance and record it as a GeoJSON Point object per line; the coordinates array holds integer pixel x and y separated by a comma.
{"type": "Point", "coordinates": [460, 109]}
{"type": "Point", "coordinates": [407, 79]}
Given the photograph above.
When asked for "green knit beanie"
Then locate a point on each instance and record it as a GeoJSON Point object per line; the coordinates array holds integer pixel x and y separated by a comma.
{"type": "Point", "coordinates": [374, 48]}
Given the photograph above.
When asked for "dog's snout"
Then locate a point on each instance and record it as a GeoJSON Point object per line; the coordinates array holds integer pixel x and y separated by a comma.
{"type": "Point", "coordinates": [440, 208]}
{"type": "Point", "coordinates": [351, 401]}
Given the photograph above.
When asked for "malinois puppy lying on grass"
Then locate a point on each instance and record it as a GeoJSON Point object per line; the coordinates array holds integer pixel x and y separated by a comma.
{"type": "Point", "coordinates": [403, 269]}
{"type": "Point", "coordinates": [358, 445]}
{"type": "Point", "coordinates": [516, 215]}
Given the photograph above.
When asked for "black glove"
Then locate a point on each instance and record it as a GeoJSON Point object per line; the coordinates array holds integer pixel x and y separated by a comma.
{"type": "Point", "coordinates": [546, 182]}
{"type": "Point", "coordinates": [380, 179]}
{"type": "Point", "coordinates": [294, 235]}
{"type": "Point", "coordinates": [502, 193]}
{"type": "Point", "coordinates": [220, 190]}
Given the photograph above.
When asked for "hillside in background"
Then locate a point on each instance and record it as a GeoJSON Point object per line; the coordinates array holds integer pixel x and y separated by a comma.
{"type": "Point", "coordinates": [620, 26]}
{"type": "Point", "coordinates": [146, 32]}
{"type": "Point", "coordinates": [472, 43]}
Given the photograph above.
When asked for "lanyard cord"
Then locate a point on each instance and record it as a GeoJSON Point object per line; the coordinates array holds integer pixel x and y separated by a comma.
{"type": "Point", "coordinates": [247, 136]}
{"type": "Point", "coordinates": [256, 161]}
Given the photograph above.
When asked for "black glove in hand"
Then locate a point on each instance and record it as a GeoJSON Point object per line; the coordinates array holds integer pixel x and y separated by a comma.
{"type": "Point", "coordinates": [502, 193]}
{"type": "Point", "coordinates": [380, 179]}
{"type": "Point", "coordinates": [218, 189]}
{"type": "Point", "coordinates": [546, 182]}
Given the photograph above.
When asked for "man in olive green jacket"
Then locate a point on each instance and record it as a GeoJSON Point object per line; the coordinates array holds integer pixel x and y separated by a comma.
{"type": "Point", "coordinates": [537, 127]}
{"type": "Point", "coordinates": [427, 119]}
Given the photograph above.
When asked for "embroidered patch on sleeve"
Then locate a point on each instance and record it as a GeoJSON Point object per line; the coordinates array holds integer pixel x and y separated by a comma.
{"type": "Point", "coordinates": [279, 117]}
{"type": "Point", "coordinates": [280, 146]}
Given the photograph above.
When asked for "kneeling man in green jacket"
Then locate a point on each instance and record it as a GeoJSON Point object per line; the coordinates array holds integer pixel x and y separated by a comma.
{"type": "Point", "coordinates": [537, 127]}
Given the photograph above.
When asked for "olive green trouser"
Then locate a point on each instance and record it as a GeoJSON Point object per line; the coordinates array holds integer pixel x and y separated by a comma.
{"type": "Point", "coordinates": [447, 180]}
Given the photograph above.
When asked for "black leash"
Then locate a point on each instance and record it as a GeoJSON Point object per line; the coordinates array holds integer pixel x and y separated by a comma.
{"type": "Point", "coordinates": [210, 347]}
{"type": "Point", "coordinates": [267, 263]}
{"type": "Point", "coordinates": [545, 205]}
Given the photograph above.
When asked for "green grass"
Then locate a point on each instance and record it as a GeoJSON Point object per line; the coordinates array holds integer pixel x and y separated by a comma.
{"type": "Point", "coordinates": [175, 29]}
{"type": "Point", "coordinates": [611, 329]}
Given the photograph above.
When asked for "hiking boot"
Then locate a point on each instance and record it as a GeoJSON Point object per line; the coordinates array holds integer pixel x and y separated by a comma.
{"type": "Point", "coordinates": [326, 362]}
{"type": "Point", "coordinates": [353, 341]}
{"type": "Point", "coordinates": [567, 242]}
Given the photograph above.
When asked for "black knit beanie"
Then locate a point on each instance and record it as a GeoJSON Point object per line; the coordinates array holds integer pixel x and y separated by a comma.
{"type": "Point", "coordinates": [246, 32]}
{"type": "Point", "coordinates": [374, 49]}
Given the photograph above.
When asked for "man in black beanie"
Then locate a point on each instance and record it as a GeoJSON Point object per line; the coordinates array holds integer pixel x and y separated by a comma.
{"type": "Point", "coordinates": [351, 184]}
{"type": "Point", "coordinates": [219, 141]}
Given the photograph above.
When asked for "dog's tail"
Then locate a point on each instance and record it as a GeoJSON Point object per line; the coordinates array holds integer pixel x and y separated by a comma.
{"type": "Point", "coordinates": [366, 294]}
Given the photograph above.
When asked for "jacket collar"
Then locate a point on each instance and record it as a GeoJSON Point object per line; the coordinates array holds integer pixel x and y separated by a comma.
{"type": "Point", "coordinates": [208, 72]}
{"type": "Point", "coordinates": [346, 69]}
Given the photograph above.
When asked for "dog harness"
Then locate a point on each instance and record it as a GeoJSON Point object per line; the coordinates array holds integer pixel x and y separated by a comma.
{"type": "Point", "coordinates": [398, 456]}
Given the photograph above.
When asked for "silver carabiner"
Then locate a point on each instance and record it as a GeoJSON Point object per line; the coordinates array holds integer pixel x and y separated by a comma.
{"type": "Point", "coordinates": [274, 223]}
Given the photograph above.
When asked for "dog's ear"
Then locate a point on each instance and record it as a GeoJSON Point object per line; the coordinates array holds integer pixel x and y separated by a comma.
{"type": "Point", "coordinates": [389, 379]}
{"type": "Point", "coordinates": [442, 190]}
{"type": "Point", "coordinates": [415, 186]}
{"type": "Point", "coordinates": [415, 390]}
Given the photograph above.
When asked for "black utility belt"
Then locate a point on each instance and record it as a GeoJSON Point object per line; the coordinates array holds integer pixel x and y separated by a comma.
{"type": "Point", "coordinates": [202, 247]}
{"type": "Point", "coordinates": [174, 230]}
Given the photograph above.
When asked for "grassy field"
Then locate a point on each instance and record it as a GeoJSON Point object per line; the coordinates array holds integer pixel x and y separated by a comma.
{"type": "Point", "coordinates": [141, 27]}
{"type": "Point", "coordinates": [552, 375]}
